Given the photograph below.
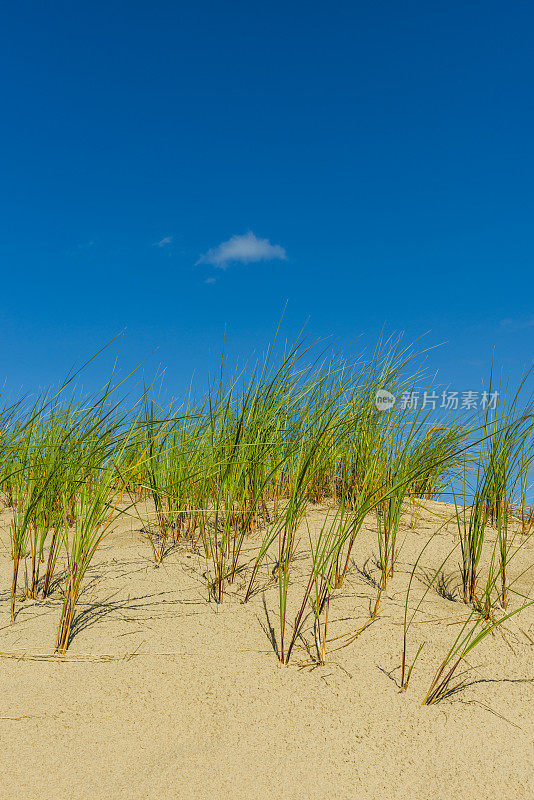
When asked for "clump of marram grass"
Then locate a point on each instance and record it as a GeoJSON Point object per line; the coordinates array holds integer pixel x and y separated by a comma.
{"type": "Point", "coordinates": [487, 615]}
{"type": "Point", "coordinates": [245, 465]}
{"type": "Point", "coordinates": [472, 633]}
{"type": "Point", "coordinates": [96, 509]}
{"type": "Point", "coordinates": [500, 462]}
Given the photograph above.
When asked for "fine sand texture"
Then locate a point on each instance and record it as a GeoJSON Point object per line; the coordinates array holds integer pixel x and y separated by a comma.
{"type": "Point", "coordinates": [163, 694]}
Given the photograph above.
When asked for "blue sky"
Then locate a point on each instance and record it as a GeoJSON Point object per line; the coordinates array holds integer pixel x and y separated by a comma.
{"type": "Point", "coordinates": [377, 155]}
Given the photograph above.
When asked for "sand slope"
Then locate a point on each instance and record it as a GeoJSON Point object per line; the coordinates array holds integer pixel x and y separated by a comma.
{"type": "Point", "coordinates": [194, 704]}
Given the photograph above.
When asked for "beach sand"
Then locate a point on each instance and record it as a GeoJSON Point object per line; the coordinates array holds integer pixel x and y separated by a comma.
{"type": "Point", "coordinates": [163, 694]}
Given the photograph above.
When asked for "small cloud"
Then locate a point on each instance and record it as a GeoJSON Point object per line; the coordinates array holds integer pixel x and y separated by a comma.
{"type": "Point", "coordinates": [244, 249]}
{"type": "Point", "coordinates": [163, 242]}
{"type": "Point", "coordinates": [510, 324]}
{"type": "Point", "coordinates": [210, 280]}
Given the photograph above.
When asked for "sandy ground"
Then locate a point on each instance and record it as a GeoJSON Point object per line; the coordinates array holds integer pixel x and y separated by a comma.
{"type": "Point", "coordinates": [193, 703]}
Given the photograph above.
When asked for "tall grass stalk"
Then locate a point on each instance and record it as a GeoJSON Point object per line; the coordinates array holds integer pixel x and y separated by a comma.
{"type": "Point", "coordinates": [482, 620]}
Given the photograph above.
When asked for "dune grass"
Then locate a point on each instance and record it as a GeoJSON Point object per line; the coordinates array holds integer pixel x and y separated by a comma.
{"type": "Point", "coordinates": [236, 473]}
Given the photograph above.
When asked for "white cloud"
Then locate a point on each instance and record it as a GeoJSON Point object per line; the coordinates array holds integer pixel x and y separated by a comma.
{"type": "Point", "coordinates": [165, 241]}
{"type": "Point", "coordinates": [245, 249]}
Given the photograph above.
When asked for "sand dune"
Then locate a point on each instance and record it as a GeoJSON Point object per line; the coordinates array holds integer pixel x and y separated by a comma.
{"type": "Point", "coordinates": [163, 694]}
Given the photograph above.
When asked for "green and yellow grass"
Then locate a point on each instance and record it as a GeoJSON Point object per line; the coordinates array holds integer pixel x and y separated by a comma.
{"type": "Point", "coordinates": [259, 589]}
